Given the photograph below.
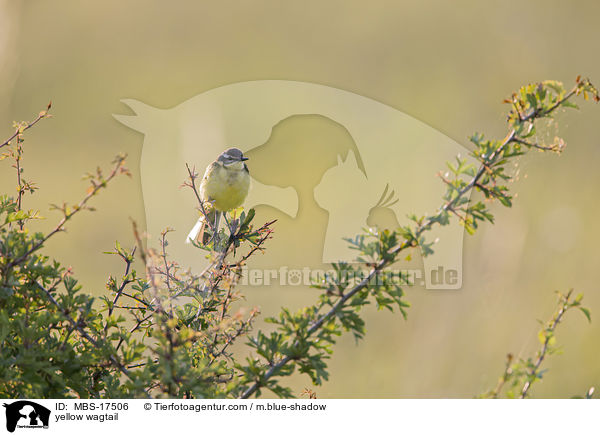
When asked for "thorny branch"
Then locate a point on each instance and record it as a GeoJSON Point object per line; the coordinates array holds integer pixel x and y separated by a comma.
{"type": "Point", "coordinates": [423, 225]}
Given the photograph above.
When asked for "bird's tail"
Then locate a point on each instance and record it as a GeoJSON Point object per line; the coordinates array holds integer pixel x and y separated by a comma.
{"type": "Point", "coordinates": [202, 231]}
{"type": "Point", "coordinates": [197, 232]}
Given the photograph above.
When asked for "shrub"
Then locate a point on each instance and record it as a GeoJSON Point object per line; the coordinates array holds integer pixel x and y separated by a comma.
{"type": "Point", "coordinates": [165, 332]}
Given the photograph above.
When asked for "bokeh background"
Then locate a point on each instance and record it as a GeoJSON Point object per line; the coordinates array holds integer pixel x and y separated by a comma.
{"type": "Point", "coordinates": [448, 64]}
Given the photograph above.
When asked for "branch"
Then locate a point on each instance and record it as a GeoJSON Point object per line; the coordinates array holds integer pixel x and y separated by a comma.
{"type": "Point", "coordinates": [315, 327]}
{"type": "Point", "coordinates": [533, 373]}
{"type": "Point", "coordinates": [26, 126]}
{"type": "Point", "coordinates": [124, 284]}
{"type": "Point", "coordinates": [413, 238]}
{"type": "Point", "coordinates": [96, 186]}
{"type": "Point", "coordinates": [82, 331]}
{"type": "Point", "coordinates": [508, 370]}
{"type": "Point", "coordinates": [192, 185]}
{"type": "Point", "coordinates": [528, 370]}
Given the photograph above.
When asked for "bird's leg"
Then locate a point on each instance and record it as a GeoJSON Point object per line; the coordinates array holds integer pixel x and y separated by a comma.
{"type": "Point", "coordinates": [231, 229]}
{"type": "Point", "coordinates": [213, 239]}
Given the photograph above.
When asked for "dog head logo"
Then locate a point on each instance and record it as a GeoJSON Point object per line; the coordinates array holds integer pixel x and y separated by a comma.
{"type": "Point", "coordinates": [26, 414]}
{"type": "Point", "coordinates": [326, 163]}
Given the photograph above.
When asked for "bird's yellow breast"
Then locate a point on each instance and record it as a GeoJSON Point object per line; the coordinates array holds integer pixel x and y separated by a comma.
{"type": "Point", "coordinates": [226, 187]}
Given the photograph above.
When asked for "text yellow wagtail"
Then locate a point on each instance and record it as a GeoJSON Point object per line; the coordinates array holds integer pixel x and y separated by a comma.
{"type": "Point", "coordinates": [224, 187]}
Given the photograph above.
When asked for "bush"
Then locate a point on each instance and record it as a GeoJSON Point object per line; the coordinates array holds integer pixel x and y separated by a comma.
{"type": "Point", "coordinates": [165, 332]}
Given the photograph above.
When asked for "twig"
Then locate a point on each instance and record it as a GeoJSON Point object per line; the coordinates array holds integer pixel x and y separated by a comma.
{"type": "Point", "coordinates": [533, 372]}
{"type": "Point", "coordinates": [118, 168]}
{"type": "Point", "coordinates": [505, 376]}
{"type": "Point", "coordinates": [43, 114]}
{"type": "Point", "coordinates": [124, 284]}
{"type": "Point", "coordinates": [192, 185]}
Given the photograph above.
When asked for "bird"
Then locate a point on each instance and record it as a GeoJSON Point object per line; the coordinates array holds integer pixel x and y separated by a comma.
{"type": "Point", "coordinates": [224, 187]}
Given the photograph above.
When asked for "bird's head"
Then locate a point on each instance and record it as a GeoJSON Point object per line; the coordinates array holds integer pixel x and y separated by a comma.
{"type": "Point", "coordinates": [232, 157]}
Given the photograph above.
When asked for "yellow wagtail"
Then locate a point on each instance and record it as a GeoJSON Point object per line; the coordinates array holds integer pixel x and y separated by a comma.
{"type": "Point", "coordinates": [224, 187]}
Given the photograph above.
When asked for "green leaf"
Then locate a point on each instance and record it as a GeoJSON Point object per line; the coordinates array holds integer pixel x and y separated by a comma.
{"type": "Point", "coordinates": [587, 313]}
{"type": "Point", "coordinates": [570, 104]}
{"type": "Point", "coordinates": [17, 216]}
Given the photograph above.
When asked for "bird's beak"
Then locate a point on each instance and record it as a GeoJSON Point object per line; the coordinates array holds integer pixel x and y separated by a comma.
{"type": "Point", "coordinates": [244, 159]}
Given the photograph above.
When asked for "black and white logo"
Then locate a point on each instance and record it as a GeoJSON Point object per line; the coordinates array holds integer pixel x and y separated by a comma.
{"type": "Point", "coordinates": [25, 414]}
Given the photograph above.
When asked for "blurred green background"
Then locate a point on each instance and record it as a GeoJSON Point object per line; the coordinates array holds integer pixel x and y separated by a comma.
{"type": "Point", "coordinates": [448, 64]}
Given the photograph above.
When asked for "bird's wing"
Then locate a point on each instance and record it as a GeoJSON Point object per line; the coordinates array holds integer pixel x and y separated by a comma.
{"type": "Point", "coordinates": [203, 185]}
